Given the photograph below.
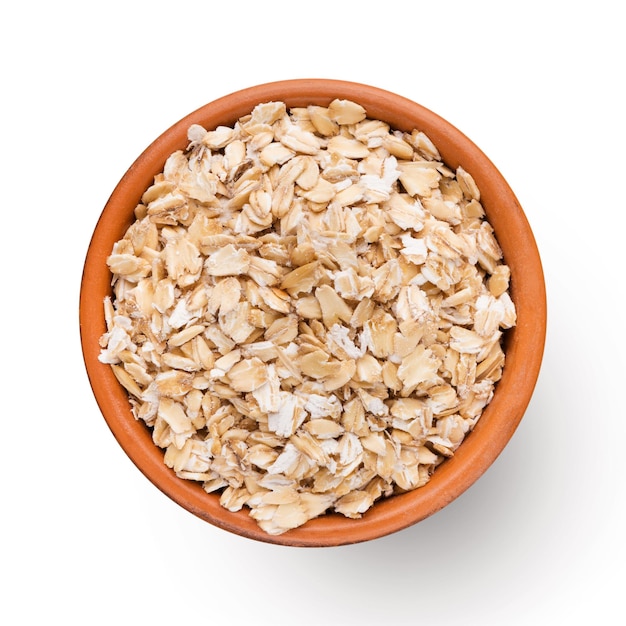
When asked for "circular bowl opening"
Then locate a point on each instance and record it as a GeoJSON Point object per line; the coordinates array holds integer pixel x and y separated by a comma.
{"type": "Point", "coordinates": [523, 346]}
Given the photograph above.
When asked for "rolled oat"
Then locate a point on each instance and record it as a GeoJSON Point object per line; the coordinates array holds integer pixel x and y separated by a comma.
{"type": "Point", "coordinates": [308, 311]}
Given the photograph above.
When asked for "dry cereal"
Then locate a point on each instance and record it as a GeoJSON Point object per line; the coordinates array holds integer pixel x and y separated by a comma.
{"type": "Point", "coordinates": [308, 311]}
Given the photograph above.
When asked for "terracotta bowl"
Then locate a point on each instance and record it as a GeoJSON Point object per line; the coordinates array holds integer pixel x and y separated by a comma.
{"type": "Point", "coordinates": [524, 344]}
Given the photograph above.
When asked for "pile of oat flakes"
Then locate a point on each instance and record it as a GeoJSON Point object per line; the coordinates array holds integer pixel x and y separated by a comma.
{"type": "Point", "coordinates": [308, 311]}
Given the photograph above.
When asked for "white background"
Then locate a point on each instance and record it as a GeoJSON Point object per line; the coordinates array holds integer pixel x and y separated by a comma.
{"type": "Point", "coordinates": [86, 539]}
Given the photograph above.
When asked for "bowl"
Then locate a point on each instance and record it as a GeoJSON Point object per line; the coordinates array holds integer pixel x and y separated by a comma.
{"type": "Point", "coordinates": [524, 343]}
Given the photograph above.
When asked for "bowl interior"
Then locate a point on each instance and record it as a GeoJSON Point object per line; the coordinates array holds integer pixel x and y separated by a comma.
{"type": "Point", "coordinates": [524, 343]}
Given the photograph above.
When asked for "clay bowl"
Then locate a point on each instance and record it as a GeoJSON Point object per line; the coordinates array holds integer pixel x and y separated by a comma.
{"type": "Point", "coordinates": [524, 344]}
